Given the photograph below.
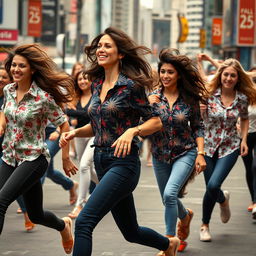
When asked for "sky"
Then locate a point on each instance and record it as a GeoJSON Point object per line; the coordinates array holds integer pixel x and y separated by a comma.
{"type": "Point", "coordinates": [147, 3]}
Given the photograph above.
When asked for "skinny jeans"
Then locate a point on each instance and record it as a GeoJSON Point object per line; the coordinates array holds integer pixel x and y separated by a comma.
{"type": "Point", "coordinates": [250, 165]}
{"type": "Point", "coordinates": [216, 171]}
{"type": "Point", "coordinates": [25, 179]}
{"type": "Point", "coordinates": [170, 179]}
{"type": "Point", "coordinates": [118, 178]}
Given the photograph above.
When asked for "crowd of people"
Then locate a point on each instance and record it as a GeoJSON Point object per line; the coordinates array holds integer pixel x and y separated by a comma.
{"type": "Point", "coordinates": [193, 121]}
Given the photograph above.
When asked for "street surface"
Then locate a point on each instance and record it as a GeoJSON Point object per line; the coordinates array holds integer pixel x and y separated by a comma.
{"type": "Point", "coordinates": [236, 238]}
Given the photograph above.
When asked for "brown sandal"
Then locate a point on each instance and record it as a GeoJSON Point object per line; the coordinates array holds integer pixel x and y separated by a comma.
{"type": "Point", "coordinates": [183, 231]}
{"type": "Point", "coordinates": [68, 245]}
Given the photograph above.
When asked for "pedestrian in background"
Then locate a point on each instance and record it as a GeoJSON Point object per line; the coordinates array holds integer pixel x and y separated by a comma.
{"type": "Point", "coordinates": [83, 145]}
{"type": "Point", "coordinates": [117, 105]}
{"type": "Point", "coordinates": [231, 90]}
{"type": "Point", "coordinates": [250, 159]}
{"type": "Point", "coordinates": [35, 97]}
{"type": "Point", "coordinates": [178, 149]}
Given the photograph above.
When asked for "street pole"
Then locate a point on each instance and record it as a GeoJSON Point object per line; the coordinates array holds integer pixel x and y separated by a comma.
{"type": "Point", "coordinates": [78, 29]}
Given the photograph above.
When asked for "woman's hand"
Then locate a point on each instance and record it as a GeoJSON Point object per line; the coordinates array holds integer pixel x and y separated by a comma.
{"type": "Point", "coordinates": [69, 167]}
{"type": "Point", "coordinates": [54, 136]}
{"type": "Point", "coordinates": [153, 99]}
{"type": "Point", "coordinates": [123, 143]}
{"type": "Point", "coordinates": [66, 137]}
{"type": "Point", "coordinates": [243, 148]}
{"type": "Point", "coordinates": [200, 164]}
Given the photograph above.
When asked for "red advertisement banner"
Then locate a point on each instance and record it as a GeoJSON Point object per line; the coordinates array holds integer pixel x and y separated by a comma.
{"type": "Point", "coordinates": [34, 18]}
{"type": "Point", "coordinates": [216, 31]}
{"type": "Point", "coordinates": [246, 22]}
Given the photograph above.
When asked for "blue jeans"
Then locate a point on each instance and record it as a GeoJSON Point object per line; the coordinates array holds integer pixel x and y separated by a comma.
{"type": "Point", "coordinates": [55, 175]}
{"type": "Point", "coordinates": [170, 179]}
{"type": "Point", "coordinates": [215, 173]}
{"type": "Point", "coordinates": [118, 178]}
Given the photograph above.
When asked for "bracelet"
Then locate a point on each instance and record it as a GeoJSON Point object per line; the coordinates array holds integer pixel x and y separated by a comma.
{"type": "Point", "coordinates": [139, 130]}
{"type": "Point", "coordinates": [57, 131]}
{"type": "Point", "coordinates": [201, 153]}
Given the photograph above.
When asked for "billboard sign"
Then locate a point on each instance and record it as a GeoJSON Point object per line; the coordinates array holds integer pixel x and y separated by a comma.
{"type": "Point", "coordinates": [246, 31]}
{"type": "Point", "coordinates": [34, 18]}
{"type": "Point", "coordinates": [216, 31]}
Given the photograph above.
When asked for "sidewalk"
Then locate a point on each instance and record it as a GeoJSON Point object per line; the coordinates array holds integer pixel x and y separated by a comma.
{"type": "Point", "coordinates": [235, 238]}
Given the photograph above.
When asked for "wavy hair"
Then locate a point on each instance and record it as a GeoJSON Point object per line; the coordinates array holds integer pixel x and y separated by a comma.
{"type": "Point", "coordinates": [244, 83]}
{"type": "Point", "coordinates": [133, 64]}
{"type": "Point", "coordinates": [190, 83]}
{"type": "Point", "coordinates": [46, 73]}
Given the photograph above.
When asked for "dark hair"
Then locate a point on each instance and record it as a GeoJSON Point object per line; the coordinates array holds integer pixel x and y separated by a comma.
{"type": "Point", "coordinates": [133, 64]}
{"type": "Point", "coordinates": [78, 90]}
{"type": "Point", "coordinates": [46, 73]}
{"type": "Point", "coordinates": [190, 84]}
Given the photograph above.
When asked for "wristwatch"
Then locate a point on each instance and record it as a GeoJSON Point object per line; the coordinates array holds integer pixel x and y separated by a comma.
{"type": "Point", "coordinates": [201, 153]}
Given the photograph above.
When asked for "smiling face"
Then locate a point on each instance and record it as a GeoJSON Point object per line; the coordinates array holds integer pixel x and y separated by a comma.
{"type": "Point", "coordinates": [4, 78]}
{"type": "Point", "coordinates": [21, 70]}
{"type": "Point", "coordinates": [83, 82]}
{"type": "Point", "coordinates": [168, 75]}
{"type": "Point", "coordinates": [107, 52]}
{"type": "Point", "coordinates": [229, 78]}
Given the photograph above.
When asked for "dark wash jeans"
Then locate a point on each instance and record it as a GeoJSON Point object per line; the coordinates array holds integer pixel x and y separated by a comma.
{"type": "Point", "coordinates": [250, 165]}
{"type": "Point", "coordinates": [216, 171]}
{"type": "Point", "coordinates": [25, 179]}
{"type": "Point", "coordinates": [118, 178]}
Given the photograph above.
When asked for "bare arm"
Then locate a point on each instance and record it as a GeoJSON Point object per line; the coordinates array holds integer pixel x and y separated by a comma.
{"type": "Point", "coordinates": [244, 125]}
{"type": "Point", "coordinates": [200, 163]}
{"type": "Point", "coordinates": [2, 123]}
{"type": "Point", "coordinates": [85, 131]}
{"type": "Point", "coordinates": [68, 165]}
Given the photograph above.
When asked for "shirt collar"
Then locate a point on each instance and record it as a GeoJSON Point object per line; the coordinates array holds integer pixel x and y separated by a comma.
{"type": "Point", "coordinates": [32, 90]}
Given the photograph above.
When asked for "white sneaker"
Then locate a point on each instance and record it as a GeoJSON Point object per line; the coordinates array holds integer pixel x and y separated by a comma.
{"type": "Point", "coordinates": [205, 235]}
{"type": "Point", "coordinates": [225, 213]}
{"type": "Point", "coordinates": [254, 213]}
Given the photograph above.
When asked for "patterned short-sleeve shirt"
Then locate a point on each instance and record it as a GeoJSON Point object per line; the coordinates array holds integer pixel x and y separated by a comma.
{"type": "Point", "coordinates": [182, 124]}
{"type": "Point", "coordinates": [220, 124]}
{"type": "Point", "coordinates": [125, 104]}
{"type": "Point", "coordinates": [26, 122]}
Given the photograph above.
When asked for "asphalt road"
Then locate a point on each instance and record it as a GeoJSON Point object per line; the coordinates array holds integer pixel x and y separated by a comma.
{"type": "Point", "coordinates": [236, 238]}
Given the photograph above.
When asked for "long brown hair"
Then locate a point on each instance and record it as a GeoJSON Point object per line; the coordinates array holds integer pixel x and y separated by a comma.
{"type": "Point", "coordinates": [190, 83]}
{"type": "Point", "coordinates": [46, 73]}
{"type": "Point", "coordinates": [244, 83]}
{"type": "Point", "coordinates": [133, 64]}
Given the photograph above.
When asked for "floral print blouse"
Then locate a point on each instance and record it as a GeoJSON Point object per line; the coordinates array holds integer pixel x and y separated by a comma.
{"type": "Point", "coordinates": [122, 108]}
{"type": "Point", "coordinates": [220, 124]}
{"type": "Point", "coordinates": [26, 122]}
{"type": "Point", "coordinates": [181, 126]}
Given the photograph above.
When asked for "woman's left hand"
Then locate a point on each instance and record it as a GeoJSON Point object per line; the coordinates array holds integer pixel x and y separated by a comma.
{"type": "Point", "coordinates": [54, 136]}
{"type": "Point", "coordinates": [243, 148]}
{"type": "Point", "coordinates": [200, 164]}
{"type": "Point", "coordinates": [123, 143]}
{"type": "Point", "coordinates": [69, 167]}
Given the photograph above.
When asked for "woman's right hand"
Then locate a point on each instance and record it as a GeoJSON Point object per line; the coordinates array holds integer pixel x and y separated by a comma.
{"type": "Point", "coordinates": [66, 137]}
{"type": "Point", "coordinates": [153, 98]}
